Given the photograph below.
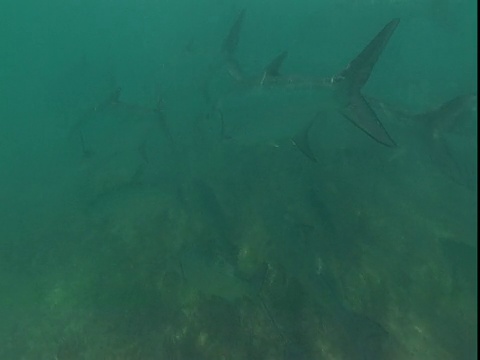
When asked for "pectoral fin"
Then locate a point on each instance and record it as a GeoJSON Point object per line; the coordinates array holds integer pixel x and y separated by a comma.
{"type": "Point", "coordinates": [300, 140]}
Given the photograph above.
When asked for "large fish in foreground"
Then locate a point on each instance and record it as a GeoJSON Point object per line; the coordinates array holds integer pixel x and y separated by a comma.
{"type": "Point", "coordinates": [270, 106]}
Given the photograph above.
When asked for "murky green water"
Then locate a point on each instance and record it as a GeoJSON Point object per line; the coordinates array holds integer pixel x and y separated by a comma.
{"type": "Point", "coordinates": [135, 222]}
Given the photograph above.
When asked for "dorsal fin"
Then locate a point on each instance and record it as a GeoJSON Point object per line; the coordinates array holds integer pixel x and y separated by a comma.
{"type": "Point", "coordinates": [229, 47]}
{"type": "Point", "coordinates": [273, 69]}
{"type": "Point", "coordinates": [230, 43]}
{"type": "Point", "coordinates": [112, 99]}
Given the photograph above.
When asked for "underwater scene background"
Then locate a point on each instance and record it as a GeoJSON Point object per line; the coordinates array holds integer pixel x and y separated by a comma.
{"type": "Point", "coordinates": [141, 218]}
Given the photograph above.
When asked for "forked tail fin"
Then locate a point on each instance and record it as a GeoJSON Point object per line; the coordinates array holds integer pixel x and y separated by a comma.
{"type": "Point", "coordinates": [449, 116]}
{"type": "Point", "coordinates": [355, 76]}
